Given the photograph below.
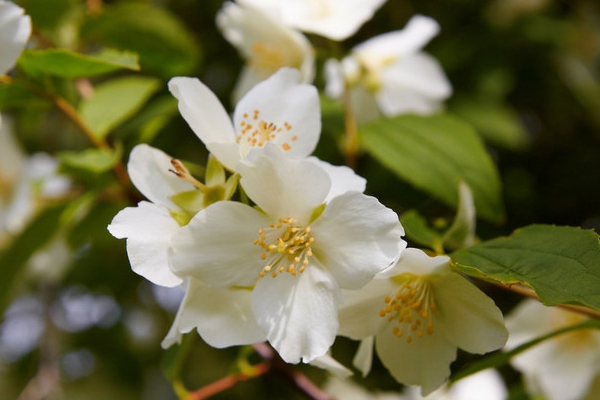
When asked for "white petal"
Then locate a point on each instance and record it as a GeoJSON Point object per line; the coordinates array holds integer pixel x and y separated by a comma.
{"type": "Point", "coordinates": [415, 35]}
{"type": "Point", "coordinates": [216, 246]}
{"type": "Point", "coordinates": [359, 314]}
{"type": "Point", "coordinates": [424, 362]}
{"type": "Point", "coordinates": [343, 179]}
{"type": "Point", "coordinates": [299, 313]}
{"type": "Point", "coordinates": [420, 73]}
{"type": "Point", "coordinates": [15, 29]}
{"type": "Point", "coordinates": [265, 43]}
{"type": "Point", "coordinates": [356, 237]}
{"type": "Point", "coordinates": [334, 19]}
{"type": "Point", "coordinates": [487, 384]}
{"type": "Point", "coordinates": [148, 229]}
{"type": "Point", "coordinates": [293, 108]}
{"type": "Point", "coordinates": [283, 187]}
{"type": "Point", "coordinates": [470, 319]}
{"type": "Point", "coordinates": [363, 359]}
{"type": "Point", "coordinates": [203, 112]}
{"type": "Point", "coordinates": [416, 261]}
{"type": "Point", "coordinates": [334, 78]}
{"type": "Point", "coordinates": [562, 367]}
{"type": "Point", "coordinates": [222, 316]}
{"type": "Point", "coordinates": [149, 170]}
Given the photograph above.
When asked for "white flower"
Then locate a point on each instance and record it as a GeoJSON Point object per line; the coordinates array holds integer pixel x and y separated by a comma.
{"type": "Point", "coordinates": [278, 110]}
{"type": "Point", "coordinates": [149, 226]}
{"type": "Point", "coordinates": [391, 70]}
{"type": "Point", "coordinates": [559, 368]}
{"type": "Point", "coordinates": [420, 312]}
{"type": "Point", "coordinates": [266, 44]}
{"type": "Point", "coordinates": [15, 29]}
{"type": "Point", "coordinates": [334, 19]}
{"type": "Point", "coordinates": [295, 254]}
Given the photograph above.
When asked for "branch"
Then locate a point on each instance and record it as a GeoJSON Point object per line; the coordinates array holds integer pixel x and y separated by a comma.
{"type": "Point", "coordinates": [525, 291]}
{"type": "Point", "coordinates": [69, 111]}
{"type": "Point", "coordinates": [272, 364]}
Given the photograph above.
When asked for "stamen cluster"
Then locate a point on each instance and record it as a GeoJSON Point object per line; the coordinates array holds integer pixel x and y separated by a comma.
{"type": "Point", "coordinates": [287, 247]}
{"type": "Point", "coordinates": [257, 132]}
{"type": "Point", "coordinates": [410, 307]}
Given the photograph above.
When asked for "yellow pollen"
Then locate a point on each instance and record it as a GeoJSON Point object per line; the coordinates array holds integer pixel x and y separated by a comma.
{"type": "Point", "coordinates": [410, 308]}
{"type": "Point", "coordinates": [256, 132]}
{"type": "Point", "coordinates": [286, 247]}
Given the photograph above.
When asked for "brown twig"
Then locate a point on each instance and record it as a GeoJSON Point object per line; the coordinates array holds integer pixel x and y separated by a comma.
{"type": "Point", "coordinates": [525, 291]}
{"type": "Point", "coordinates": [68, 110]}
{"type": "Point", "coordinates": [227, 382]}
{"type": "Point", "coordinates": [272, 364]}
{"type": "Point", "coordinates": [351, 127]}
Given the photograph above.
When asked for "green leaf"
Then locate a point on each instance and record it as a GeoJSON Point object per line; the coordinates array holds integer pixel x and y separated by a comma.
{"type": "Point", "coordinates": [115, 101]}
{"type": "Point", "coordinates": [500, 358]}
{"type": "Point", "coordinates": [91, 160]}
{"type": "Point", "coordinates": [164, 44]}
{"type": "Point", "coordinates": [434, 153]}
{"type": "Point", "coordinates": [496, 122]}
{"type": "Point", "coordinates": [68, 64]}
{"type": "Point", "coordinates": [33, 237]}
{"type": "Point", "coordinates": [16, 95]}
{"type": "Point", "coordinates": [417, 230]}
{"type": "Point", "coordinates": [560, 263]}
{"type": "Point", "coordinates": [45, 16]}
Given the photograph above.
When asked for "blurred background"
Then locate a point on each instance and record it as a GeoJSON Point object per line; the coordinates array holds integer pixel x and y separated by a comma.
{"type": "Point", "coordinates": [525, 73]}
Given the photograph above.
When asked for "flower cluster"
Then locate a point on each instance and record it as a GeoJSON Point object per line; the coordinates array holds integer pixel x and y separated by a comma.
{"type": "Point", "coordinates": [303, 256]}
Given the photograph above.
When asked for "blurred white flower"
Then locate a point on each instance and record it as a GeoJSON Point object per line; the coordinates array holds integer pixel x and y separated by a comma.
{"type": "Point", "coordinates": [420, 312]}
{"type": "Point", "coordinates": [559, 368]}
{"type": "Point", "coordinates": [25, 182]}
{"type": "Point", "coordinates": [334, 19]}
{"type": "Point", "coordinates": [278, 110]}
{"type": "Point", "coordinates": [294, 253]}
{"type": "Point", "coordinates": [266, 44]}
{"type": "Point", "coordinates": [391, 72]}
{"type": "Point", "coordinates": [15, 29]}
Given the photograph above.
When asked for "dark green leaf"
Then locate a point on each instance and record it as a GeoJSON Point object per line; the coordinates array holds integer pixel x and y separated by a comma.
{"type": "Point", "coordinates": [68, 64]}
{"type": "Point", "coordinates": [16, 95]}
{"type": "Point", "coordinates": [497, 123]}
{"type": "Point", "coordinates": [560, 263]}
{"type": "Point", "coordinates": [434, 153]}
{"type": "Point", "coordinates": [163, 43]}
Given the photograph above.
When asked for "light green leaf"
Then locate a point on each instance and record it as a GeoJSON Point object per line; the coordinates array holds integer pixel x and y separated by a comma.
{"type": "Point", "coordinates": [496, 122]}
{"type": "Point", "coordinates": [68, 64]}
{"type": "Point", "coordinates": [434, 153]}
{"type": "Point", "coordinates": [417, 230]}
{"type": "Point", "coordinates": [91, 160]}
{"type": "Point", "coordinates": [560, 263]}
{"type": "Point", "coordinates": [164, 44]}
{"type": "Point", "coordinates": [115, 101]}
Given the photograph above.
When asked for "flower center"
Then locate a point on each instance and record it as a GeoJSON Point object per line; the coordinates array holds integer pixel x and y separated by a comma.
{"type": "Point", "coordinates": [410, 307]}
{"type": "Point", "coordinates": [267, 57]}
{"type": "Point", "coordinates": [287, 247]}
{"type": "Point", "coordinates": [255, 132]}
